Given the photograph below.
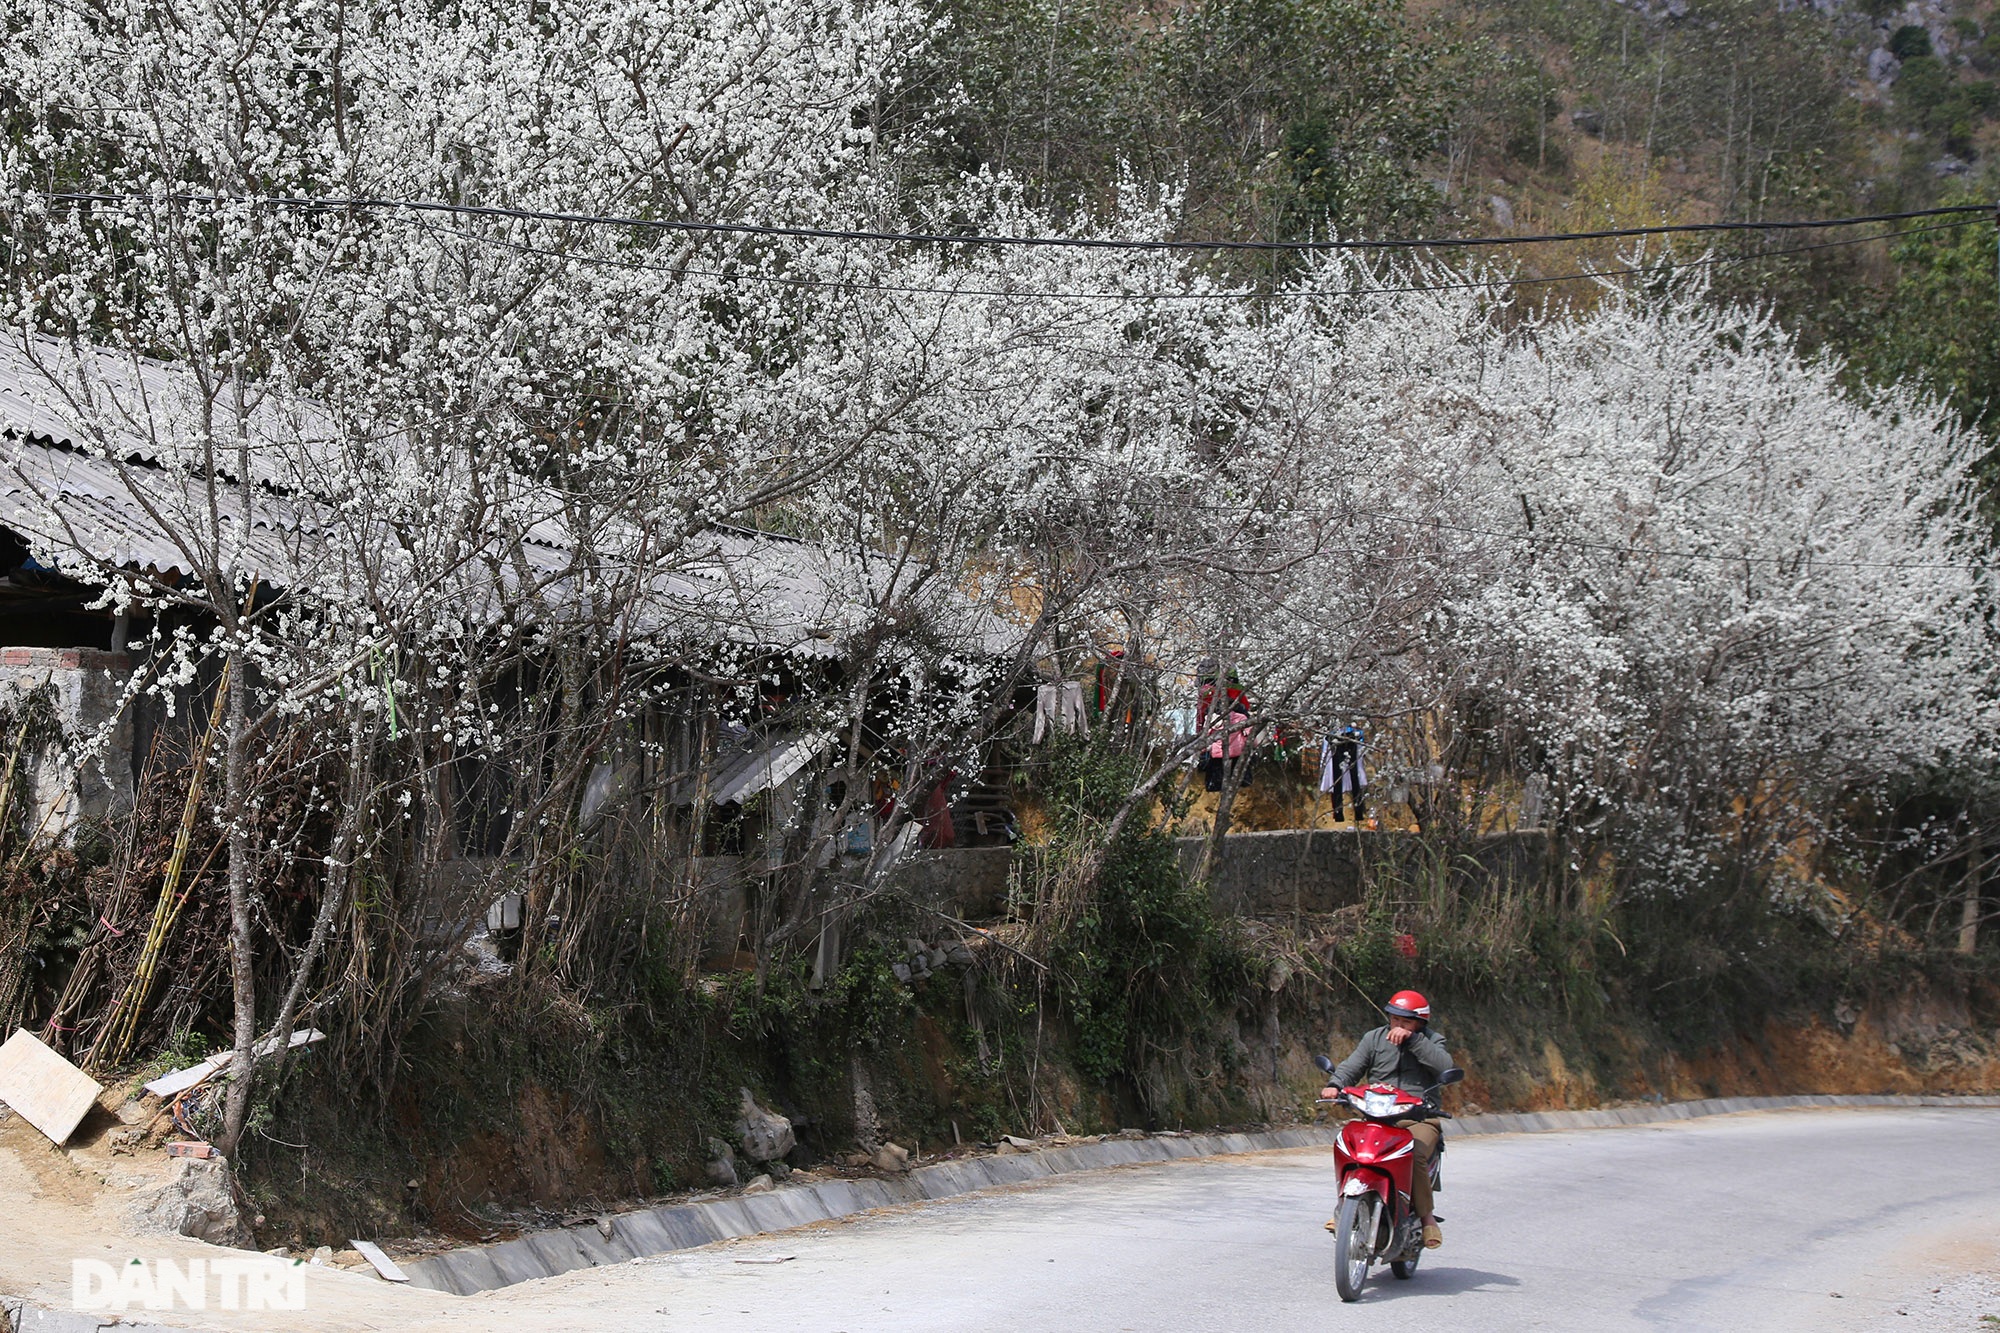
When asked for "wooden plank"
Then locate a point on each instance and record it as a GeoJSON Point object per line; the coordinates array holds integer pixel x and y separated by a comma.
{"type": "Point", "coordinates": [46, 1090]}
{"type": "Point", "coordinates": [384, 1265]}
{"type": "Point", "coordinates": [167, 1085]}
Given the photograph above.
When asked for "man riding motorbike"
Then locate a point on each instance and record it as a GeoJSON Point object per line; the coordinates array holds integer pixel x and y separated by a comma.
{"type": "Point", "coordinates": [1404, 1055]}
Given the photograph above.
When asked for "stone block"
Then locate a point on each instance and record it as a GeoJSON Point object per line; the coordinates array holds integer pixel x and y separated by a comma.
{"type": "Point", "coordinates": [729, 1217]}
{"type": "Point", "coordinates": [63, 786]}
{"type": "Point", "coordinates": [196, 1201]}
{"type": "Point", "coordinates": [969, 882]}
{"type": "Point", "coordinates": [461, 1272]}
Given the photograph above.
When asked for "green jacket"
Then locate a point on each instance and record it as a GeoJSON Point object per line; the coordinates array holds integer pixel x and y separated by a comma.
{"type": "Point", "coordinates": [1414, 1066]}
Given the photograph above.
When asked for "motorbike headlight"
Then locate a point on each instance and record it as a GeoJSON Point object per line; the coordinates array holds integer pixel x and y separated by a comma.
{"type": "Point", "coordinates": [1378, 1104]}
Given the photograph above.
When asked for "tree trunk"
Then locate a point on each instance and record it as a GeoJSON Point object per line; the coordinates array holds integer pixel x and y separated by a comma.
{"type": "Point", "coordinates": [239, 829]}
{"type": "Point", "coordinates": [340, 877]}
{"type": "Point", "coordinates": [1225, 804]}
{"type": "Point", "coordinates": [1968, 917]}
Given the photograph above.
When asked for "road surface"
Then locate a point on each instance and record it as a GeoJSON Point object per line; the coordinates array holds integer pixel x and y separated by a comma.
{"type": "Point", "coordinates": [1797, 1220]}
{"type": "Point", "coordinates": [1863, 1221]}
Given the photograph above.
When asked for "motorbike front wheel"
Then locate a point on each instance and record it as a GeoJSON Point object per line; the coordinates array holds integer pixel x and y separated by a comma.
{"type": "Point", "coordinates": [1353, 1244]}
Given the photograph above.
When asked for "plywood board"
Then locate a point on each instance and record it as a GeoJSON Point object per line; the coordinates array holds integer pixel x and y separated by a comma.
{"type": "Point", "coordinates": [46, 1090]}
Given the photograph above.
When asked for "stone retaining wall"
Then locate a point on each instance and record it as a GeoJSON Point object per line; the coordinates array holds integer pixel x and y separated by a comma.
{"type": "Point", "coordinates": [1275, 874]}
{"type": "Point", "coordinates": [1290, 871]}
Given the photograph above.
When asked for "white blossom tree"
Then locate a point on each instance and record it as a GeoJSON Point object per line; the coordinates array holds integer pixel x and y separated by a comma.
{"type": "Point", "coordinates": [437, 347]}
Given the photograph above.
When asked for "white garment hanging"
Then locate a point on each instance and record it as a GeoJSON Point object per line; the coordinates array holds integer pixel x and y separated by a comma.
{"type": "Point", "coordinates": [1331, 777]}
{"type": "Point", "coordinates": [1059, 705]}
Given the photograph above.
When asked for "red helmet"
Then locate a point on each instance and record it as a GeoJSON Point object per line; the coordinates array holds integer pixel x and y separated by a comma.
{"type": "Point", "coordinates": [1407, 1004]}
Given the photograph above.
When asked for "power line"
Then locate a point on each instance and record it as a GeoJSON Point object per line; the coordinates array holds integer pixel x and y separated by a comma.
{"type": "Point", "coordinates": [373, 204]}
{"type": "Point", "coordinates": [1281, 293]}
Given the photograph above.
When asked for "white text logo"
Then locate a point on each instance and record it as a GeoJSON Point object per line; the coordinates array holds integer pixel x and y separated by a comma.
{"type": "Point", "coordinates": [259, 1283]}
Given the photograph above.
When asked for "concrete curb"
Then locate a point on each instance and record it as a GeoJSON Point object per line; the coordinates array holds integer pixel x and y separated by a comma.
{"type": "Point", "coordinates": [1538, 1122]}
{"type": "Point", "coordinates": [685, 1226]}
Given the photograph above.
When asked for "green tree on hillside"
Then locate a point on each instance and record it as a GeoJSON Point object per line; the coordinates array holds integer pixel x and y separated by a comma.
{"type": "Point", "coordinates": [1303, 117]}
{"type": "Point", "coordinates": [1744, 96]}
{"type": "Point", "coordinates": [1942, 325]}
{"type": "Point", "coordinates": [1281, 117]}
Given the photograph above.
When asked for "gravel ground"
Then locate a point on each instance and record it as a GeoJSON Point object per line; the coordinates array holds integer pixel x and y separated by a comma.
{"type": "Point", "coordinates": [1969, 1303]}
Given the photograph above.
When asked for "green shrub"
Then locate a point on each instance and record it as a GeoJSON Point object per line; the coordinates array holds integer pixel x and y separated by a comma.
{"type": "Point", "coordinates": [1146, 963]}
{"type": "Point", "coordinates": [1910, 42]}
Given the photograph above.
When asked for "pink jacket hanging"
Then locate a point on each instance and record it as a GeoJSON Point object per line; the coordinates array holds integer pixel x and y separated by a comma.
{"type": "Point", "coordinates": [1239, 736]}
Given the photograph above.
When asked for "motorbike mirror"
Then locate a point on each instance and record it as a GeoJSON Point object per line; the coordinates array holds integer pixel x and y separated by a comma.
{"type": "Point", "coordinates": [1450, 1076]}
{"type": "Point", "coordinates": [1326, 1065]}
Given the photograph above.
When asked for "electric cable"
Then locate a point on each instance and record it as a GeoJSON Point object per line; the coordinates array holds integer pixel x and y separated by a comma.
{"type": "Point", "coordinates": [374, 204]}
{"type": "Point", "coordinates": [1801, 559]}
{"type": "Point", "coordinates": [1288, 293]}
{"type": "Point", "coordinates": [1282, 293]}
{"type": "Point", "coordinates": [1963, 213]}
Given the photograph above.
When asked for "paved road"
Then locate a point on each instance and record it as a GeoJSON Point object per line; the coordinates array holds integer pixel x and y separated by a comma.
{"type": "Point", "coordinates": [1741, 1223]}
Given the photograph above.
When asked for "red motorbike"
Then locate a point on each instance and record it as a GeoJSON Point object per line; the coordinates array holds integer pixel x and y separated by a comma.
{"type": "Point", "coordinates": [1375, 1159]}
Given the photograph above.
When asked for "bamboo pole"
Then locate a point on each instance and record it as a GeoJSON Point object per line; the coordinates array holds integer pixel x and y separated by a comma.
{"type": "Point", "coordinates": [117, 1038]}
{"type": "Point", "coordinates": [13, 760]}
{"type": "Point", "coordinates": [13, 968]}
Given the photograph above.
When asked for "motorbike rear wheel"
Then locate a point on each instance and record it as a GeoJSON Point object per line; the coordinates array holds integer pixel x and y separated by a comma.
{"type": "Point", "coordinates": [1406, 1268]}
{"type": "Point", "coordinates": [1353, 1244]}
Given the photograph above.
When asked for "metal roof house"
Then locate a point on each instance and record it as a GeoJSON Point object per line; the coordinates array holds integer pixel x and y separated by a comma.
{"type": "Point", "coordinates": [110, 468]}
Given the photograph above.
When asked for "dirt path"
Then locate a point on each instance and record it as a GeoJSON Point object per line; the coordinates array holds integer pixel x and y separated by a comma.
{"type": "Point", "coordinates": [60, 1205]}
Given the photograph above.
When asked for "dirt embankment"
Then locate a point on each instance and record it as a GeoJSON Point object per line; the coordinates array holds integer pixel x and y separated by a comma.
{"type": "Point", "coordinates": [472, 1151]}
{"type": "Point", "coordinates": [544, 1154]}
{"type": "Point", "coordinates": [1922, 1039]}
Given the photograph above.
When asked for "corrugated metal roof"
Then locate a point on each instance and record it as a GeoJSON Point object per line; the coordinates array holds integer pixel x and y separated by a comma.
{"type": "Point", "coordinates": [770, 763]}
{"type": "Point", "coordinates": [104, 470]}
{"type": "Point", "coordinates": [79, 513]}
{"type": "Point", "coordinates": [132, 407]}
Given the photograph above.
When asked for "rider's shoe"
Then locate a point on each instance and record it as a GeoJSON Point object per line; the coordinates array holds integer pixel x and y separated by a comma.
{"type": "Point", "coordinates": [1432, 1236]}
{"type": "Point", "coordinates": [1333, 1224]}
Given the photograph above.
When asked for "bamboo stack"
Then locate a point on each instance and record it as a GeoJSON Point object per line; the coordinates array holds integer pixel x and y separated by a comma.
{"type": "Point", "coordinates": [116, 1040]}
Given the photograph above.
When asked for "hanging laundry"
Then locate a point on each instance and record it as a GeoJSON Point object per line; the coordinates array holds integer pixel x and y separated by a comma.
{"type": "Point", "coordinates": [1060, 706]}
{"type": "Point", "coordinates": [1238, 700]}
{"type": "Point", "coordinates": [936, 828]}
{"type": "Point", "coordinates": [1342, 772]}
{"type": "Point", "coordinates": [1534, 794]}
{"type": "Point", "coordinates": [1228, 748]}
{"type": "Point", "coordinates": [1110, 674]}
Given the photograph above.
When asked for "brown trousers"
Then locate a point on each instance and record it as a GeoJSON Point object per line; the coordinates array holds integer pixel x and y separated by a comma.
{"type": "Point", "coordinates": [1428, 1134]}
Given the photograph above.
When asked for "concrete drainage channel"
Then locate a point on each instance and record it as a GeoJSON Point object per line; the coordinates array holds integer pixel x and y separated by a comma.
{"type": "Point", "coordinates": [629, 1236]}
